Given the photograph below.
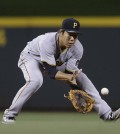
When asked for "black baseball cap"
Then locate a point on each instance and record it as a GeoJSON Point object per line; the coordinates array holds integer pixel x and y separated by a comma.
{"type": "Point", "coordinates": [71, 25]}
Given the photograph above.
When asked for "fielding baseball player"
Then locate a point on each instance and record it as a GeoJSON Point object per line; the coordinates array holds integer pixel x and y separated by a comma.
{"type": "Point", "coordinates": [58, 54]}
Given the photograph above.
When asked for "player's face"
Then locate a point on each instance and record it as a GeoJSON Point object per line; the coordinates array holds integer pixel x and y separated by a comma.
{"type": "Point", "coordinates": [68, 39]}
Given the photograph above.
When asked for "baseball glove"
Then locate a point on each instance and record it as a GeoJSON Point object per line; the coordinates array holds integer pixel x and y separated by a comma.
{"type": "Point", "coordinates": [81, 101]}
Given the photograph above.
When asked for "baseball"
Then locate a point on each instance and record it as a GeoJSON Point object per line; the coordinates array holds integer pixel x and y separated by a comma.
{"type": "Point", "coordinates": [104, 91]}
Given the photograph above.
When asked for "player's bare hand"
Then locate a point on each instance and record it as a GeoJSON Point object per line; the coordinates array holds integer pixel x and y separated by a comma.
{"type": "Point", "coordinates": [76, 73]}
{"type": "Point", "coordinates": [72, 80]}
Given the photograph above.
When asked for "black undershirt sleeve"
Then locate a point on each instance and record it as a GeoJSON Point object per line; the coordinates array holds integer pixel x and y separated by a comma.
{"type": "Point", "coordinates": [50, 69]}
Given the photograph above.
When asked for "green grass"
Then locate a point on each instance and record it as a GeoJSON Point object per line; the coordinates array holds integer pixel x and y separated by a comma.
{"type": "Point", "coordinates": [59, 123]}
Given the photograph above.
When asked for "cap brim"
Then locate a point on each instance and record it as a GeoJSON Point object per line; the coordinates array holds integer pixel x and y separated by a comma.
{"type": "Point", "coordinates": [71, 31]}
{"type": "Point", "coordinates": [77, 32]}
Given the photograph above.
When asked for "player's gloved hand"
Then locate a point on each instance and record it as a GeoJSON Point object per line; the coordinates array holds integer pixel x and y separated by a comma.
{"type": "Point", "coordinates": [81, 101]}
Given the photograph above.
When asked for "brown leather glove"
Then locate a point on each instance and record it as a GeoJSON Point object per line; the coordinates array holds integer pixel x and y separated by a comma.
{"type": "Point", "coordinates": [81, 101]}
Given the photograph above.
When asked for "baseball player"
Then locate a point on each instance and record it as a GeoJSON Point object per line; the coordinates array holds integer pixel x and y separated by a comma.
{"type": "Point", "coordinates": [58, 54]}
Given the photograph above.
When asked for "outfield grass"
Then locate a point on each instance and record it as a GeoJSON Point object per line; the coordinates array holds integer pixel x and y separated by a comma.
{"type": "Point", "coordinates": [59, 123]}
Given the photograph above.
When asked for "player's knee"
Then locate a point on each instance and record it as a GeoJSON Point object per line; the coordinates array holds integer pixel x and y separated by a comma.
{"type": "Point", "coordinates": [36, 83]}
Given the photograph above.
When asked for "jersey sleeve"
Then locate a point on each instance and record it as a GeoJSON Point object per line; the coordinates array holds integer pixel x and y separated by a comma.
{"type": "Point", "coordinates": [72, 64]}
{"type": "Point", "coordinates": [47, 53]}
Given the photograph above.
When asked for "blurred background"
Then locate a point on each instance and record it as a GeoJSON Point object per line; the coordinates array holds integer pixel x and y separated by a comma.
{"type": "Point", "coordinates": [23, 20]}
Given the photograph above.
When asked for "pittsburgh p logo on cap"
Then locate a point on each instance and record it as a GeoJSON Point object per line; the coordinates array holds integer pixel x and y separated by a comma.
{"type": "Point", "coordinates": [75, 25]}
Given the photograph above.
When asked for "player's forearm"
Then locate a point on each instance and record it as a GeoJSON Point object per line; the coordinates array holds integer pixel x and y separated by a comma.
{"type": "Point", "coordinates": [58, 75]}
{"type": "Point", "coordinates": [63, 76]}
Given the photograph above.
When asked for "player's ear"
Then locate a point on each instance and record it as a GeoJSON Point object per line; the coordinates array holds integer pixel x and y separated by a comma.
{"type": "Point", "coordinates": [61, 31]}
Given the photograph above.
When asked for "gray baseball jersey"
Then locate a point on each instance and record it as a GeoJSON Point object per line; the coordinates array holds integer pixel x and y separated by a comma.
{"type": "Point", "coordinates": [46, 48]}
